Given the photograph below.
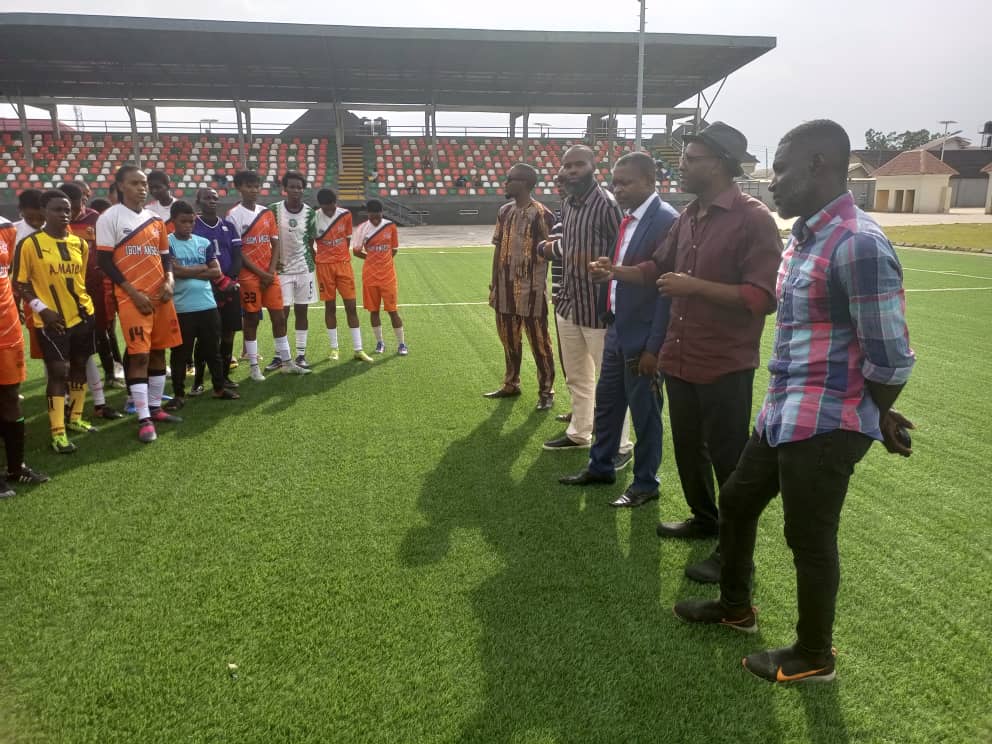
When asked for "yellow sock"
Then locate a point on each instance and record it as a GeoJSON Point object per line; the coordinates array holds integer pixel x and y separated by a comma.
{"type": "Point", "coordinates": [56, 414]}
{"type": "Point", "coordinates": [77, 398]}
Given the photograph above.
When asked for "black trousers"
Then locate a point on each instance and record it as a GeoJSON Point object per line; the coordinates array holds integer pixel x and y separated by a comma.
{"type": "Point", "coordinates": [710, 426]}
{"type": "Point", "coordinates": [812, 475]}
{"type": "Point", "coordinates": [203, 329]}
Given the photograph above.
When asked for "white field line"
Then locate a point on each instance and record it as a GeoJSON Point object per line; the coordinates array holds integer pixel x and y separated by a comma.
{"type": "Point", "coordinates": [950, 273]}
{"type": "Point", "coordinates": [951, 289]}
{"type": "Point", "coordinates": [318, 308]}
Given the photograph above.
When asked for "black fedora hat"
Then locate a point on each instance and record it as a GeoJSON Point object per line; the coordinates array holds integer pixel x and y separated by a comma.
{"type": "Point", "coordinates": [723, 140]}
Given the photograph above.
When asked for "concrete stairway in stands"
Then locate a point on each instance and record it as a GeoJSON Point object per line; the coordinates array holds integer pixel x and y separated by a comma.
{"type": "Point", "coordinates": [351, 179]}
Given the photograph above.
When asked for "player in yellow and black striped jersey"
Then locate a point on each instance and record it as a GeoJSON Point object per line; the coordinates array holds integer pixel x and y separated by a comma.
{"type": "Point", "coordinates": [50, 270]}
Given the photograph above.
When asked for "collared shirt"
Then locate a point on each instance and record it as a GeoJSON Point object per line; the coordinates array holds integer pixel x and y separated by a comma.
{"type": "Point", "coordinates": [590, 223]}
{"type": "Point", "coordinates": [226, 241]}
{"type": "Point", "coordinates": [621, 250]}
{"type": "Point", "coordinates": [736, 242]}
{"type": "Point", "coordinates": [192, 295]}
{"type": "Point", "coordinates": [56, 270]}
{"type": "Point", "coordinates": [520, 276]}
{"type": "Point", "coordinates": [841, 321]}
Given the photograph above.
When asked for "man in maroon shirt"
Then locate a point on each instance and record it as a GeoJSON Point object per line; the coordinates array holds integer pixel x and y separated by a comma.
{"type": "Point", "coordinates": [718, 266]}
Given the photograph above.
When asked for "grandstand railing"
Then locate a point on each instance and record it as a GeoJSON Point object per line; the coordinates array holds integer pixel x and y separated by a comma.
{"type": "Point", "coordinates": [536, 130]}
{"type": "Point", "coordinates": [399, 212]}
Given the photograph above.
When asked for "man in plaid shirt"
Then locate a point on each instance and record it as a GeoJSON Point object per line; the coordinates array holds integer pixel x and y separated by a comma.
{"type": "Point", "coordinates": [841, 357]}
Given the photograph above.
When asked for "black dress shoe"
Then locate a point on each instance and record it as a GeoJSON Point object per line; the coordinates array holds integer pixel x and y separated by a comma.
{"type": "Point", "coordinates": [545, 402]}
{"type": "Point", "coordinates": [706, 571]}
{"type": "Point", "coordinates": [690, 529]}
{"type": "Point", "coordinates": [565, 418]}
{"type": "Point", "coordinates": [586, 477]}
{"type": "Point", "coordinates": [564, 443]}
{"type": "Point", "coordinates": [631, 499]}
{"type": "Point", "coordinates": [502, 393]}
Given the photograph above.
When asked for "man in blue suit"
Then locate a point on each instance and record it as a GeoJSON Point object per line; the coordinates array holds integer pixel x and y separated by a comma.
{"type": "Point", "coordinates": [637, 318]}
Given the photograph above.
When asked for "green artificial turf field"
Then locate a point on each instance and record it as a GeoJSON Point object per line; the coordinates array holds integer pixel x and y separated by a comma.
{"type": "Point", "coordinates": [378, 554]}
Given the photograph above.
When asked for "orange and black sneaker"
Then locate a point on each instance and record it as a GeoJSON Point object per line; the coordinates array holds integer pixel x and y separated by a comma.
{"type": "Point", "coordinates": [712, 612]}
{"type": "Point", "coordinates": [791, 665]}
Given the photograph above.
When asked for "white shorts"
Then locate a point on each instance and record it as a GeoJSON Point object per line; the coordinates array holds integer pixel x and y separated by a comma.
{"type": "Point", "coordinates": [297, 289]}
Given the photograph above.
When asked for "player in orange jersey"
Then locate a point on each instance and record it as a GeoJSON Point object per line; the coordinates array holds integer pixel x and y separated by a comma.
{"type": "Point", "coordinates": [12, 372]}
{"type": "Point", "coordinates": [259, 283]}
{"type": "Point", "coordinates": [376, 241]}
{"type": "Point", "coordinates": [330, 231]}
{"type": "Point", "coordinates": [134, 254]}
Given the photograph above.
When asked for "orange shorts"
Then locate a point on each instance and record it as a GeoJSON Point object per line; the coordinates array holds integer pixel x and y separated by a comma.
{"type": "Point", "coordinates": [336, 277]}
{"type": "Point", "coordinates": [142, 333]}
{"type": "Point", "coordinates": [373, 296]}
{"type": "Point", "coordinates": [254, 298]}
{"type": "Point", "coordinates": [12, 368]}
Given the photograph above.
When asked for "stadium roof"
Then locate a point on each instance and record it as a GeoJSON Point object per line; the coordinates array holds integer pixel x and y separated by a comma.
{"type": "Point", "coordinates": [93, 59]}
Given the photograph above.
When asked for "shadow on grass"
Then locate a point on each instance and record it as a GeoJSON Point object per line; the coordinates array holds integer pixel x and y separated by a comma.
{"type": "Point", "coordinates": [576, 644]}
{"type": "Point", "coordinates": [824, 719]}
{"type": "Point", "coordinates": [118, 439]}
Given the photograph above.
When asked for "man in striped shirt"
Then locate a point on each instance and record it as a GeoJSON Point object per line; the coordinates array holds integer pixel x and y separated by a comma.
{"type": "Point", "coordinates": [590, 219]}
{"type": "Point", "coordinates": [840, 358]}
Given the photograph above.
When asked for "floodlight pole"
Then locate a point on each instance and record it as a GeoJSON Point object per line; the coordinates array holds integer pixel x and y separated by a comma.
{"type": "Point", "coordinates": [640, 80]}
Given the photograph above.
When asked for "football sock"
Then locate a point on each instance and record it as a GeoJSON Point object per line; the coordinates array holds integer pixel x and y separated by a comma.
{"type": "Point", "coordinates": [301, 343]}
{"type": "Point", "coordinates": [356, 338]}
{"type": "Point", "coordinates": [282, 348]}
{"type": "Point", "coordinates": [156, 387]}
{"type": "Point", "coordinates": [399, 335]}
{"type": "Point", "coordinates": [95, 380]}
{"type": "Point", "coordinates": [13, 440]}
{"type": "Point", "coordinates": [139, 391]}
{"type": "Point", "coordinates": [377, 330]}
{"type": "Point", "coordinates": [56, 414]}
{"type": "Point", "coordinates": [251, 348]}
{"type": "Point", "coordinates": [332, 335]}
{"type": "Point", "coordinates": [77, 398]}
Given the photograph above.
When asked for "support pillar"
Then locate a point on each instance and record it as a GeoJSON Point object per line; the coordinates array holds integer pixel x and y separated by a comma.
{"type": "Point", "coordinates": [153, 115]}
{"type": "Point", "coordinates": [525, 143]}
{"type": "Point", "coordinates": [242, 145]}
{"type": "Point", "coordinates": [433, 125]}
{"type": "Point", "coordinates": [53, 114]}
{"type": "Point", "coordinates": [132, 114]}
{"type": "Point", "coordinates": [339, 139]}
{"type": "Point", "coordinates": [610, 130]}
{"type": "Point", "coordinates": [26, 142]}
{"type": "Point", "coordinates": [513, 126]}
{"type": "Point", "coordinates": [669, 124]}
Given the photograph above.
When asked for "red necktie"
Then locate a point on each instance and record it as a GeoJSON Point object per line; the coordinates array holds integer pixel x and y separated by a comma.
{"type": "Point", "coordinates": [616, 258]}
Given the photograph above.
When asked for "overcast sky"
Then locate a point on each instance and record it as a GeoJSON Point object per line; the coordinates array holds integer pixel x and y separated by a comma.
{"type": "Point", "coordinates": [865, 63]}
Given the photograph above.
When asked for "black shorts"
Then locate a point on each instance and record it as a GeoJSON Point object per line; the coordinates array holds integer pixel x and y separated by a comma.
{"type": "Point", "coordinates": [78, 341]}
{"type": "Point", "coordinates": [230, 312]}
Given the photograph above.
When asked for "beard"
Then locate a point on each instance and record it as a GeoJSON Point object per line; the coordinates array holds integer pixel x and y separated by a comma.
{"type": "Point", "coordinates": [581, 185]}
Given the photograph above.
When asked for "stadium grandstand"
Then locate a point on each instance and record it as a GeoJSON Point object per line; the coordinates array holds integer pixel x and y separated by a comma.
{"type": "Point", "coordinates": [420, 173]}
